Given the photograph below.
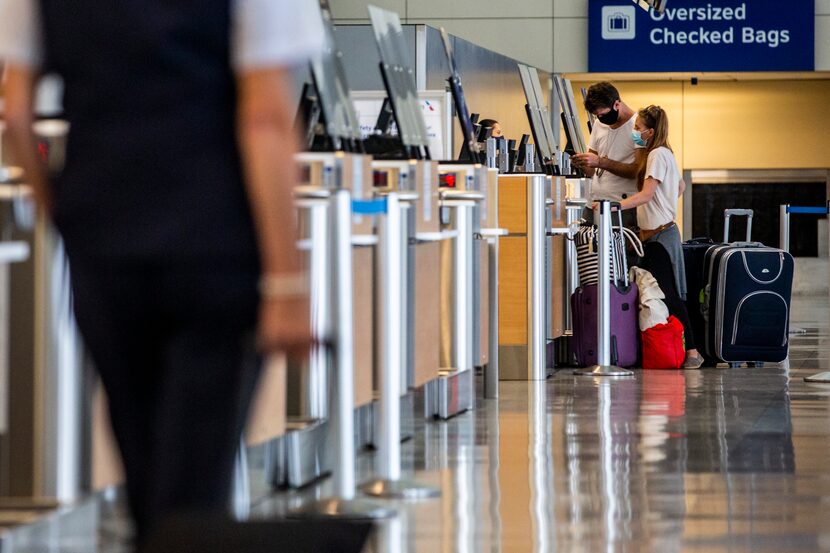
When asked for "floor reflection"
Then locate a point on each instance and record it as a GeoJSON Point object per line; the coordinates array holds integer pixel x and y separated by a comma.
{"type": "Point", "coordinates": [709, 461]}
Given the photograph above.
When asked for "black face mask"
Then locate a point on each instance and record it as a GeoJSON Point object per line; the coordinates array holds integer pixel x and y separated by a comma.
{"type": "Point", "coordinates": [611, 117]}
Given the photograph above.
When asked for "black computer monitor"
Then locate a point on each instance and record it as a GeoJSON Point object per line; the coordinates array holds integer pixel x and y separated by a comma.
{"type": "Point", "coordinates": [309, 115]}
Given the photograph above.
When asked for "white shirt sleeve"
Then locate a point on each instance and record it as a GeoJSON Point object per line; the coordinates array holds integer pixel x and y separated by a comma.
{"type": "Point", "coordinates": [657, 167]}
{"type": "Point", "coordinates": [593, 137]}
{"type": "Point", "coordinates": [20, 32]}
{"type": "Point", "coordinates": [279, 33]}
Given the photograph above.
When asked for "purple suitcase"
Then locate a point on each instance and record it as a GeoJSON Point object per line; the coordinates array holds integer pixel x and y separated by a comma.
{"type": "Point", "coordinates": [625, 330]}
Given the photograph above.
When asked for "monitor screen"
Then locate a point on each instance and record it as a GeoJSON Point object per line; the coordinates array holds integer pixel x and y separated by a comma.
{"type": "Point", "coordinates": [398, 77]}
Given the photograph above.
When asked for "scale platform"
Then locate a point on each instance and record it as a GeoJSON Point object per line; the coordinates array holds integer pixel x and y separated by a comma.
{"type": "Point", "coordinates": [449, 395]}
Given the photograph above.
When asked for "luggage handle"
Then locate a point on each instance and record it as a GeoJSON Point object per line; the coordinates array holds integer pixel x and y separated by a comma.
{"type": "Point", "coordinates": [631, 236]}
{"type": "Point", "coordinates": [729, 213]}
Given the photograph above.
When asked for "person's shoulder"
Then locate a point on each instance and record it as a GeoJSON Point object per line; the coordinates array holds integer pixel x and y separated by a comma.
{"type": "Point", "coordinates": [661, 152]}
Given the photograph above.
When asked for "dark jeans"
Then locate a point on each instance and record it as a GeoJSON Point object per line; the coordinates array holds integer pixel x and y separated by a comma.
{"type": "Point", "coordinates": [658, 263]}
{"type": "Point", "coordinates": [173, 344]}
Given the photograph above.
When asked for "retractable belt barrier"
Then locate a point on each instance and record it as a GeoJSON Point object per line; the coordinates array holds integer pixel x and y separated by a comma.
{"type": "Point", "coordinates": [788, 210]}
{"type": "Point", "coordinates": [343, 504]}
{"type": "Point", "coordinates": [602, 215]}
{"type": "Point", "coordinates": [388, 483]}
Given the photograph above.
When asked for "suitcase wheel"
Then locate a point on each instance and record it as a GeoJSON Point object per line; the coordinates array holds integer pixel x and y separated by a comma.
{"type": "Point", "coordinates": [756, 364]}
{"type": "Point", "coordinates": [734, 365]}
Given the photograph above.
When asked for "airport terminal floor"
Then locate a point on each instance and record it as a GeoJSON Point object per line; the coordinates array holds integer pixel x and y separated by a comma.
{"type": "Point", "coordinates": [711, 460]}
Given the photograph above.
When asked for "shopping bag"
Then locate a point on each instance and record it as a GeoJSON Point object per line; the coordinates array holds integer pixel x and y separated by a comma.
{"type": "Point", "coordinates": [663, 345]}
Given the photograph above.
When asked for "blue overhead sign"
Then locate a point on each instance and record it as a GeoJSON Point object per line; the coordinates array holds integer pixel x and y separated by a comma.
{"type": "Point", "coordinates": [693, 36]}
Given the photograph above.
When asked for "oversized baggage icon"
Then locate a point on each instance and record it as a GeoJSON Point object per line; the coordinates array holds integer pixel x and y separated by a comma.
{"type": "Point", "coordinates": [619, 22]}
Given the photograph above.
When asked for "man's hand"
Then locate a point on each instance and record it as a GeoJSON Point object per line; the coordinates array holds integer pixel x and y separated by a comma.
{"type": "Point", "coordinates": [284, 325]}
{"type": "Point", "coordinates": [588, 160]}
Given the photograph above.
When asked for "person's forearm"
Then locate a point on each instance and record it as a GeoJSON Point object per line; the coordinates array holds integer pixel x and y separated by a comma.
{"type": "Point", "coordinates": [268, 145]}
{"type": "Point", "coordinates": [624, 170]}
{"type": "Point", "coordinates": [19, 92]}
{"type": "Point", "coordinates": [638, 199]}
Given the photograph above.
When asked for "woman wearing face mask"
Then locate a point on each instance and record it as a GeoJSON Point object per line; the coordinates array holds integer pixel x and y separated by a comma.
{"type": "Point", "coordinates": [660, 185]}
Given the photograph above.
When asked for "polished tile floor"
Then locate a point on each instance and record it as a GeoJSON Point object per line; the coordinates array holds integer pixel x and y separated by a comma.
{"type": "Point", "coordinates": [715, 460]}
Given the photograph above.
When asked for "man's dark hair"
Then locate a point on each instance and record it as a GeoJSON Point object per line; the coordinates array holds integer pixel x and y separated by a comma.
{"type": "Point", "coordinates": [601, 95]}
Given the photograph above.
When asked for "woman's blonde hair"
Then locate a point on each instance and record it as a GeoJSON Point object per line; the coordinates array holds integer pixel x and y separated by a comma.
{"type": "Point", "coordinates": [655, 118]}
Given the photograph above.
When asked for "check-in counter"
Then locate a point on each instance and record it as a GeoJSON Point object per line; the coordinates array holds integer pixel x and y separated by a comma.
{"type": "Point", "coordinates": [513, 263]}
{"type": "Point", "coordinates": [463, 282]}
{"type": "Point", "coordinates": [301, 457]}
{"type": "Point", "coordinates": [417, 184]}
{"type": "Point", "coordinates": [319, 170]}
{"type": "Point", "coordinates": [578, 192]}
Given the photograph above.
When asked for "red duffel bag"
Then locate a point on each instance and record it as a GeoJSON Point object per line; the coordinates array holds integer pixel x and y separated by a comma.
{"type": "Point", "coordinates": [663, 345]}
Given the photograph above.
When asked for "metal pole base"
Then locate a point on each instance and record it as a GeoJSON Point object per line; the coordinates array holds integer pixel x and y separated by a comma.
{"type": "Point", "coordinates": [344, 509]}
{"type": "Point", "coordinates": [604, 370]}
{"type": "Point", "coordinates": [823, 378]}
{"type": "Point", "coordinates": [399, 489]}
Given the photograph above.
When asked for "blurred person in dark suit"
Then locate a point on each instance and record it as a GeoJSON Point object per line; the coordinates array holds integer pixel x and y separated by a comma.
{"type": "Point", "coordinates": [176, 214]}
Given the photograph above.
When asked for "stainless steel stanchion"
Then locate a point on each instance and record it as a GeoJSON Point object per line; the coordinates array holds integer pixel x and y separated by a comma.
{"type": "Point", "coordinates": [343, 504]}
{"type": "Point", "coordinates": [389, 483]}
{"type": "Point", "coordinates": [784, 228]}
{"type": "Point", "coordinates": [536, 286]}
{"type": "Point", "coordinates": [241, 497]}
{"type": "Point", "coordinates": [602, 214]}
{"type": "Point", "coordinates": [784, 244]}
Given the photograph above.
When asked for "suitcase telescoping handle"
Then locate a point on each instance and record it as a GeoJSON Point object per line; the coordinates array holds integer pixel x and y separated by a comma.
{"type": "Point", "coordinates": [729, 213]}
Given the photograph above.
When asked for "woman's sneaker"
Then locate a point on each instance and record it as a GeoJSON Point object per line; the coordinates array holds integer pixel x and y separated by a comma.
{"type": "Point", "coordinates": [693, 362]}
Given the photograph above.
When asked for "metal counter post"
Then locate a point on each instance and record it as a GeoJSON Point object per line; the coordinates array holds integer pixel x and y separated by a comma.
{"type": "Point", "coordinates": [389, 483]}
{"type": "Point", "coordinates": [464, 289]}
{"type": "Point", "coordinates": [491, 372]}
{"type": "Point", "coordinates": [307, 383]}
{"type": "Point", "coordinates": [602, 214]}
{"type": "Point", "coordinates": [536, 287]}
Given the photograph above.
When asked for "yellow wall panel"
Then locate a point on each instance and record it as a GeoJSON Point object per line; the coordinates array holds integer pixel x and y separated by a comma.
{"type": "Point", "coordinates": [758, 125]}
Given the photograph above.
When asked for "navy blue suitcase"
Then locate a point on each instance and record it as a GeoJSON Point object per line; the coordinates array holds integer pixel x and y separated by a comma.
{"type": "Point", "coordinates": [747, 303]}
{"type": "Point", "coordinates": [694, 254]}
{"type": "Point", "coordinates": [746, 308]}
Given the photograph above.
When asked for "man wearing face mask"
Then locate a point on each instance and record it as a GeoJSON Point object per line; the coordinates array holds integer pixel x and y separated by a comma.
{"type": "Point", "coordinates": [613, 159]}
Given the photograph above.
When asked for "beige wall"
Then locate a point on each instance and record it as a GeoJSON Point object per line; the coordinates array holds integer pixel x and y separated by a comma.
{"type": "Point", "coordinates": [549, 34]}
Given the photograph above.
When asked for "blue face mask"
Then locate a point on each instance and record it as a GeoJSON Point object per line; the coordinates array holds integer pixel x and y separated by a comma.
{"type": "Point", "coordinates": [638, 138]}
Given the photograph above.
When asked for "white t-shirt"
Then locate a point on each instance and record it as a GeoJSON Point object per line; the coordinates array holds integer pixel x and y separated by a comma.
{"type": "Point", "coordinates": [265, 33]}
{"type": "Point", "coordinates": [617, 145]}
{"type": "Point", "coordinates": [662, 209]}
